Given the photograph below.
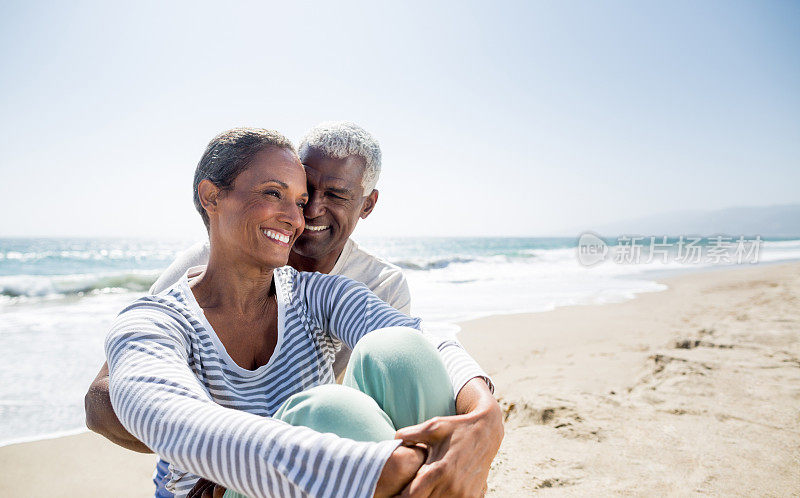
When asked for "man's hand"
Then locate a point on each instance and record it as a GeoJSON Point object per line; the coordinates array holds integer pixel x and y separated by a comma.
{"type": "Point", "coordinates": [461, 447]}
{"type": "Point", "coordinates": [100, 416]}
{"type": "Point", "coordinates": [206, 489]}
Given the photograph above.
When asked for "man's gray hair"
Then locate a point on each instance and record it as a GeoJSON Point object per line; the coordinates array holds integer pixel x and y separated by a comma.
{"type": "Point", "coordinates": [230, 153]}
{"type": "Point", "coordinates": [340, 139]}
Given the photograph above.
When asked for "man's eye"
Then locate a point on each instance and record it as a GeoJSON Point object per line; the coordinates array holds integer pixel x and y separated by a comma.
{"type": "Point", "coordinates": [339, 197]}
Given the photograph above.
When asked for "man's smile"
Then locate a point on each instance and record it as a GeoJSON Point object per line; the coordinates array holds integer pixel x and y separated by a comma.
{"type": "Point", "coordinates": [317, 228]}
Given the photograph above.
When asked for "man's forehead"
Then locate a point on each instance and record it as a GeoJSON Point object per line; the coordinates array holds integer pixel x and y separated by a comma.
{"type": "Point", "coordinates": [326, 175]}
{"type": "Point", "coordinates": [344, 172]}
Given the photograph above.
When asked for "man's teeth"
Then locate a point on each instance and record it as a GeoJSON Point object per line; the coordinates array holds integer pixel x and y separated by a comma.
{"type": "Point", "coordinates": [316, 228]}
{"type": "Point", "coordinates": [277, 236]}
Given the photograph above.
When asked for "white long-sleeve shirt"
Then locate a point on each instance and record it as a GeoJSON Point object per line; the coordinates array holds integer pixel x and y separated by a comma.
{"type": "Point", "coordinates": [175, 388]}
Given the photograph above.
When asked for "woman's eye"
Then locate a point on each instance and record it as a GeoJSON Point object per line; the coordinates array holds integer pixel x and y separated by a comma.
{"type": "Point", "coordinates": [302, 205]}
{"type": "Point", "coordinates": [273, 193]}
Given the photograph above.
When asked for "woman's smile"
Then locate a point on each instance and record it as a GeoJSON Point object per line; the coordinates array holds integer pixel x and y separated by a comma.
{"type": "Point", "coordinates": [280, 237]}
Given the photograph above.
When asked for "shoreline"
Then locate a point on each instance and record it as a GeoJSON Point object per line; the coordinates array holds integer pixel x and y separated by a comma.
{"type": "Point", "coordinates": [686, 390]}
{"type": "Point", "coordinates": [45, 437]}
{"type": "Point", "coordinates": [659, 277]}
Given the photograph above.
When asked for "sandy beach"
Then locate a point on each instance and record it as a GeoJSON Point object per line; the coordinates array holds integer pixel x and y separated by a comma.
{"type": "Point", "coordinates": [692, 390]}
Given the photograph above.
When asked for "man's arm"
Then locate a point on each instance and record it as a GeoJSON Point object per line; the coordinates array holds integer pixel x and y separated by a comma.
{"type": "Point", "coordinates": [100, 416]}
{"type": "Point", "coordinates": [401, 295]}
{"type": "Point", "coordinates": [394, 290]}
{"type": "Point", "coordinates": [193, 256]}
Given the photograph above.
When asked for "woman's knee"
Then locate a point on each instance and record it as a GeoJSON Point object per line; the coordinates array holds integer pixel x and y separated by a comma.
{"type": "Point", "coordinates": [403, 373]}
{"type": "Point", "coordinates": [396, 347]}
{"type": "Point", "coordinates": [337, 409]}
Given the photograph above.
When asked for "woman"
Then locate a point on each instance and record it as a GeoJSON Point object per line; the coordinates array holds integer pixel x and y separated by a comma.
{"type": "Point", "coordinates": [224, 373]}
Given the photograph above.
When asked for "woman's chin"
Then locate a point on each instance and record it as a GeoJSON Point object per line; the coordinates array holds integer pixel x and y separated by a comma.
{"type": "Point", "coordinates": [270, 260]}
{"type": "Point", "coordinates": [275, 262]}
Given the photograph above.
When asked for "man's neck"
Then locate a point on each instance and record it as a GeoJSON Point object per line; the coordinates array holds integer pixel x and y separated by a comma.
{"type": "Point", "coordinates": [323, 265]}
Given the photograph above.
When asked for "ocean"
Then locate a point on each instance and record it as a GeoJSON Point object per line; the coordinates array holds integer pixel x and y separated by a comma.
{"type": "Point", "coordinates": [59, 296]}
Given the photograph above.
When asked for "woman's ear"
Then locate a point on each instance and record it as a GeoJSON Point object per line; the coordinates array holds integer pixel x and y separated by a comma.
{"type": "Point", "coordinates": [208, 194]}
{"type": "Point", "coordinates": [369, 204]}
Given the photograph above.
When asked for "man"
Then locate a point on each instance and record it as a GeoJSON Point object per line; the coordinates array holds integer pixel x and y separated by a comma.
{"type": "Point", "coordinates": [342, 163]}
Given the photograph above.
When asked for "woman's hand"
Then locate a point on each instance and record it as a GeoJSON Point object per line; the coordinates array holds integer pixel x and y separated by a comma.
{"type": "Point", "coordinates": [461, 447]}
{"type": "Point", "coordinates": [402, 466]}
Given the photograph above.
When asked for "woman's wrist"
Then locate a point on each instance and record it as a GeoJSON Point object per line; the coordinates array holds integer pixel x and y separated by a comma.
{"type": "Point", "coordinates": [399, 470]}
{"type": "Point", "coordinates": [476, 402]}
{"type": "Point", "coordinates": [475, 396]}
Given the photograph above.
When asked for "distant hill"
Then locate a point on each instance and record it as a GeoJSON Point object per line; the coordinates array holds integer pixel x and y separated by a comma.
{"type": "Point", "coordinates": [769, 221]}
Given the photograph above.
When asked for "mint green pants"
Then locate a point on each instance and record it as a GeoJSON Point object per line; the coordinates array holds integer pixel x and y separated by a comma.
{"type": "Point", "coordinates": [395, 378]}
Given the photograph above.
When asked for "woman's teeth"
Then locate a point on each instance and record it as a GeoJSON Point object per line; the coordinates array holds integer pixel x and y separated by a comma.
{"type": "Point", "coordinates": [276, 236]}
{"type": "Point", "coordinates": [316, 228]}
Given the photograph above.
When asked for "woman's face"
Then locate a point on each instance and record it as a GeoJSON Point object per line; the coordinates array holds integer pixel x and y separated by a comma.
{"type": "Point", "coordinates": [260, 218]}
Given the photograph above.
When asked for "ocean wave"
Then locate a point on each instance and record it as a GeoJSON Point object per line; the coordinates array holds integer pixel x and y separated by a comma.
{"type": "Point", "coordinates": [86, 255]}
{"type": "Point", "coordinates": [430, 264]}
{"type": "Point", "coordinates": [20, 286]}
{"type": "Point", "coordinates": [782, 244]}
{"type": "Point", "coordinates": [523, 256]}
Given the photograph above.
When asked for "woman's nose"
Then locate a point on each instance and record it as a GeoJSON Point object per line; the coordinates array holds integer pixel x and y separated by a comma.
{"type": "Point", "coordinates": [292, 214]}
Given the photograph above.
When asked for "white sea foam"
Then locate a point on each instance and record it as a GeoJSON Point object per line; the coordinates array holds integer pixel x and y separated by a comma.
{"type": "Point", "coordinates": [31, 286]}
{"type": "Point", "coordinates": [499, 284]}
{"type": "Point", "coordinates": [55, 348]}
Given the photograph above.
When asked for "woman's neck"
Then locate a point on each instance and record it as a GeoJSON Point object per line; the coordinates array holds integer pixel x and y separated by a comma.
{"type": "Point", "coordinates": [233, 286]}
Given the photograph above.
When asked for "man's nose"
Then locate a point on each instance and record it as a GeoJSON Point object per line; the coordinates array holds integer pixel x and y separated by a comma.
{"type": "Point", "coordinates": [314, 207]}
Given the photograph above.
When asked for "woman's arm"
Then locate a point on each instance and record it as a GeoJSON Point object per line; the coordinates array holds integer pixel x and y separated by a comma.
{"type": "Point", "coordinates": [160, 401]}
{"type": "Point", "coordinates": [401, 467]}
{"type": "Point", "coordinates": [349, 310]}
{"type": "Point", "coordinates": [461, 447]}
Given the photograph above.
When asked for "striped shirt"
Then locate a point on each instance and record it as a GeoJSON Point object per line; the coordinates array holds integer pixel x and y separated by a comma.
{"type": "Point", "coordinates": [176, 389]}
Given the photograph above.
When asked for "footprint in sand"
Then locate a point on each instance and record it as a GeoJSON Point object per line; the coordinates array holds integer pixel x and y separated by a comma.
{"type": "Point", "coordinates": [563, 418]}
{"type": "Point", "coordinates": [698, 343]}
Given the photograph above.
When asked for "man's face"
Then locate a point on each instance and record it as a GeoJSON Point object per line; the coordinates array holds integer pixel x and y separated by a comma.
{"type": "Point", "coordinates": [336, 202]}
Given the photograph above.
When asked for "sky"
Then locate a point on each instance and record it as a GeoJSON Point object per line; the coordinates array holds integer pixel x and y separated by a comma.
{"type": "Point", "coordinates": [494, 118]}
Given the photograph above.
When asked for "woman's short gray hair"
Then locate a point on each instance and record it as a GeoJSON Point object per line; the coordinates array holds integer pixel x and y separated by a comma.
{"type": "Point", "coordinates": [229, 154]}
{"type": "Point", "coordinates": [340, 139]}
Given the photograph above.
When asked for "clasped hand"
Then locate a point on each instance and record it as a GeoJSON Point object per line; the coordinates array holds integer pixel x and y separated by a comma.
{"type": "Point", "coordinates": [460, 448]}
{"type": "Point", "coordinates": [460, 453]}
